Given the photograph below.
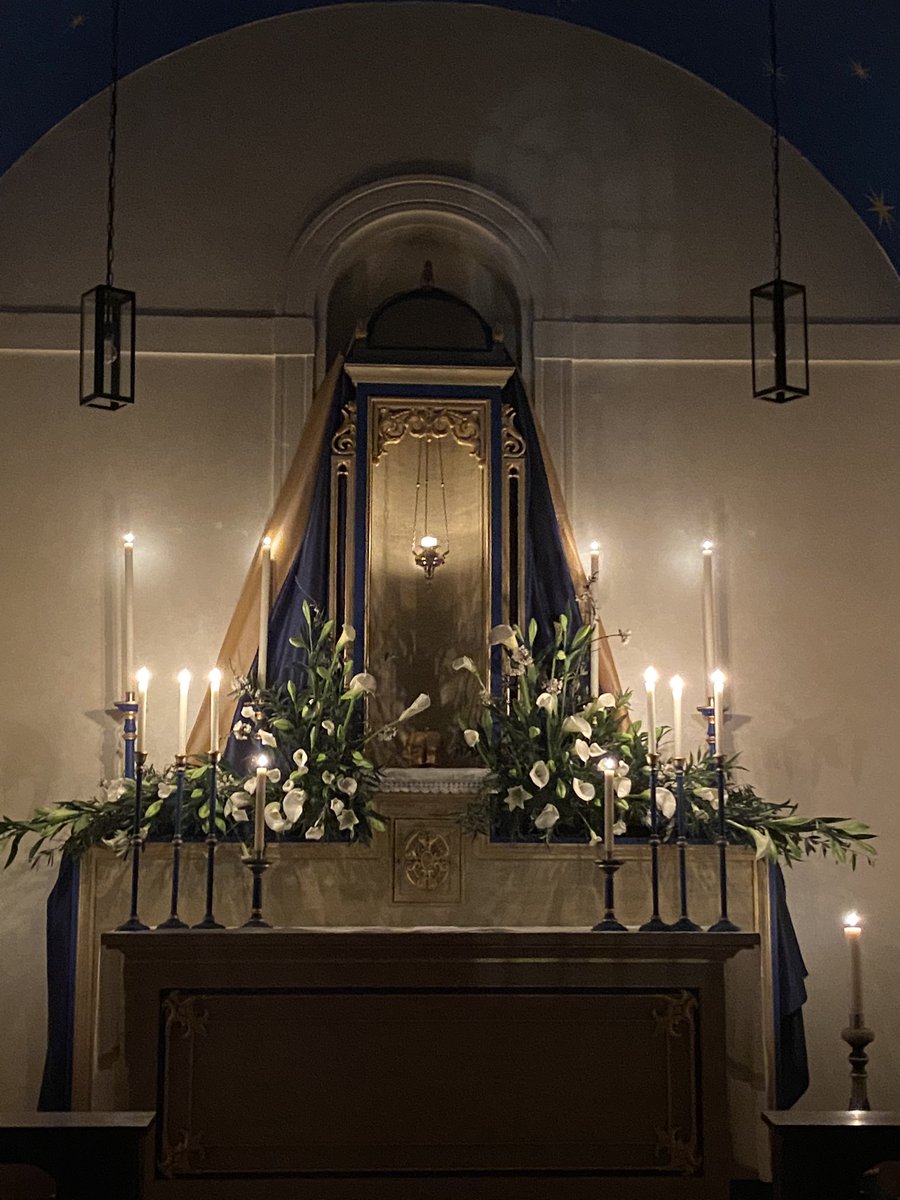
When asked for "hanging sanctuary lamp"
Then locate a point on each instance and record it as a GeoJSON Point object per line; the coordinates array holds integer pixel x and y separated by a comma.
{"type": "Point", "coordinates": [778, 328]}
{"type": "Point", "coordinates": [429, 552]}
{"type": "Point", "coordinates": [108, 312]}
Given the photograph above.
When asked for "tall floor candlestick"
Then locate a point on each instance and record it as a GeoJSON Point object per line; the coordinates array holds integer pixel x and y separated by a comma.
{"type": "Point", "coordinates": [129, 709]}
{"type": "Point", "coordinates": [134, 924]}
{"type": "Point", "coordinates": [656, 924]}
{"type": "Point", "coordinates": [174, 921]}
{"type": "Point", "coordinates": [265, 590]}
{"type": "Point", "coordinates": [684, 924]}
{"type": "Point", "coordinates": [209, 921]}
{"type": "Point", "coordinates": [723, 925]}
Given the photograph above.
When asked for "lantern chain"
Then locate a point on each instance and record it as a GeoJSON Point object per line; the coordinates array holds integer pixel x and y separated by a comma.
{"type": "Point", "coordinates": [775, 141]}
{"type": "Point", "coordinates": [111, 153]}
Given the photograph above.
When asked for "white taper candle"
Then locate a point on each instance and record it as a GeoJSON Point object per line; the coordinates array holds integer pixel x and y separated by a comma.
{"type": "Point", "coordinates": [128, 614]}
{"type": "Point", "coordinates": [609, 805]}
{"type": "Point", "coordinates": [853, 935]}
{"type": "Point", "coordinates": [676, 683]}
{"type": "Point", "coordinates": [215, 680]}
{"type": "Point", "coordinates": [259, 815]}
{"type": "Point", "coordinates": [710, 651]}
{"type": "Point", "coordinates": [265, 600]}
{"type": "Point", "coordinates": [651, 676]}
{"type": "Point", "coordinates": [143, 683]}
{"type": "Point", "coordinates": [595, 632]}
{"type": "Point", "coordinates": [184, 684]}
{"type": "Point", "coordinates": [718, 682]}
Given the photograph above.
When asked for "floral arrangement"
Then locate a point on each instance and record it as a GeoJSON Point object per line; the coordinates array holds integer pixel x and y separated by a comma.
{"type": "Point", "coordinates": [320, 785]}
{"type": "Point", "coordinates": [543, 741]}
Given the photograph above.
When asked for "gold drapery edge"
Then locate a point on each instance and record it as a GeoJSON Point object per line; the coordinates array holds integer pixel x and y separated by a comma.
{"type": "Point", "coordinates": [609, 676]}
{"type": "Point", "coordinates": [287, 525]}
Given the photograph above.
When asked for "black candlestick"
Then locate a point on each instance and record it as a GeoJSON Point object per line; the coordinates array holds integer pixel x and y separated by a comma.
{"type": "Point", "coordinates": [723, 925]}
{"type": "Point", "coordinates": [174, 921]}
{"type": "Point", "coordinates": [656, 924]}
{"type": "Point", "coordinates": [209, 921]}
{"type": "Point", "coordinates": [258, 866]}
{"type": "Point", "coordinates": [684, 924]}
{"type": "Point", "coordinates": [134, 924]}
{"type": "Point", "coordinates": [609, 924]}
{"type": "Point", "coordinates": [857, 1036]}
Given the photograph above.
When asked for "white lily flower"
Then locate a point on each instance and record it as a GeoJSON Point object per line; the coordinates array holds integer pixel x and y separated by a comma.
{"type": "Point", "coordinates": [164, 791]}
{"type": "Point", "coordinates": [266, 738]}
{"type": "Point", "coordinates": [274, 774]}
{"type": "Point", "coordinates": [275, 819]}
{"type": "Point", "coordinates": [347, 819]}
{"type": "Point", "coordinates": [464, 664]}
{"type": "Point", "coordinates": [584, 790]}
{"type": "Point", "coordinates": [594, 838]}
{"type": "Point", "coordinates": [516, 797]}
{"type": "Point", "coordinates": [471, 737]}
{"type": "Point", "coordinates": [337, 806]}
{"type": "Point", "coordinates": [238, 800]}
{"type": "Point", "coordinates": [300, 757]}
{"type": "Point", "coordinates": [582, 749]}
{"type": "Point", "coordinates": [248, 712]}
{"type": "Point", "coordinates": [503, 635]}
{"type": "Point", "coordinates": [622, 770]}
{"type": "Point", "coordinates": [540, 774]}
{"type": "Point", "coordinates": [328, 726]}
{"type": "Point", "coordinates": [548, 701]}
{"type": "Point", "coordinates": [249, 785]}
{"type": "Point", "coordinates": [348, 785]}
{"type": "Point", "coordinates": [421, 702]}
{"type": "Point", "coordinates": [239, 731]}
{"type": "Point", "coordinates": [619, 828]}
{"type": "Point", "coordinates": [665, 802]}
{"type": "Point", "coordinates": [315, 833]}
{"type": "Point", "coordinates": [327, 778]}
{"type": "Point", "coordinates": [239, 815]}
{"type": "Point", "coordinates": [597, 751]}
{"type": "Point", "coordinates": [348, 635]}
{"type": "Point", "coordinates": [607, 700]}
{"type": "Point", "coordinates": [361, 684]}
{"type": "Point", "coordinates": [547, 817]}
{"type": "Point", "coordinates": [710, 795]}
{"type": "Point", "coordinates": [623, 788]}
{"type": "Point", "coordinates": [577, 725]}
{"type": "Point", "coordinates": [293, 804]}
{"type": "Point", "coordinates": [288, 784]}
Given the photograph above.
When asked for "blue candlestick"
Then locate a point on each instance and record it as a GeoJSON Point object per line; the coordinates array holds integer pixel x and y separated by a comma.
{"type": "Point", "coordinates": [129, 707]}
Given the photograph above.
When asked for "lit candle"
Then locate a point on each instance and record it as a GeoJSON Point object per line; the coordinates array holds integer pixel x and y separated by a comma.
{"type": "Point", "coordinates": [595, 632]}
{"type": "Point", "coordinates": [184, 683]}
{"type": "Point", "coordinates": [143, 682]}
{"type": "Point", "coordinates": [128, 613]}
{"type": "Point", "coordinates": [215, 679]}
{"type": "Point", "coordinates": [259, 827]}
{"type": "Point", "coordinates": [718, 682]}
{"type": "Point", "coordinates": [676, 683]}
{"type": "Point", "coordinates": [265, 589]}
{"type": "Point", "coordinates": [853, 934]}
{"type": "Point", "coordinates": [710, 652]}
{"type": "Point", "coordinates": [650, 679]}
{"type": "Point", "coordinates": [609, 804]}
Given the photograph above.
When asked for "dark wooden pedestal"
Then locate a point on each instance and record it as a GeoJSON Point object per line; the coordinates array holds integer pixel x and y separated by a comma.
{"type": "Point", "coordinates": [360, 1063]}
{"type": "Point", "coordinates": [823, 1155]}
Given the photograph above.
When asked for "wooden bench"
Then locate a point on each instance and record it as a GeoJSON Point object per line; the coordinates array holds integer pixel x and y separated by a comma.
{"type": "Point", "coordinates": [823, 1155]}
{"type": "Point", "coordinates": [90, 1155]}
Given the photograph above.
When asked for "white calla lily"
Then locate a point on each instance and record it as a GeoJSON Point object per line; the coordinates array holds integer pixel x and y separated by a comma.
{"type": "Point", "coordinates": [464, 663]}
{"type": "Point", "coordinates": [421, 702]}
{"type": "Point", "coordinates": [348, 636]}
{"type": "Point", "coordinates": [471, 737]}
{"type": "Point", "coordinates": [710, 795]}
{"type": "Point", "coordinates": [584, 790]}
{"type": "Point", "coordinates": [327, 778]}
{"type": "Point", "coordinates": [164, 791]}
{"type": "Point", "coordinates": [300, 757]}
{"type": "Point", "coordinates": [547, 817]}
{"type": "Point", "coordinates": [337, 806]}
{"type": "Point", "coordinates": [606, 700]}
{"type": "Point", "coordinates": [503, 635]}
{"type": "Point", "coordinates": [577, 725]}
{"type": "Point", "coordinates": [348, 785]}
{"type": "Point", "coordinates": [274, 775]}
{"type": "Point", "coordinates": [597, 751]}
{"type": "Point", "coordinates": [347, 819]}
{"type": "Point", "coordinates": [293, 804]}
{"type": "Point", "coordinates": [619, 828]}
{"type": "Point", "coordinates": [582, 749]}
{"type": "Point", "coordinates": [239, 800]}
{"type": "Point", "coordinates": [361, 685]}
{"type": "Point", "coordinates": [623, 788]}
{"type": "Point", "coordinates": [328, 726]}
{"type": "Point", "coordinates": [248, 712]}
{"type": "Point", "coordinates": [665, 802]}
{"type": "Point", "coordinates": [516, 797]}
{"type": "Point", "coordinates": [275, 819]}
{"type": "Point", "coordinates": [315, 833]}
{"type": "Point", "coordinates": [548, 701]}
{"type": "Point", "coordinates": [249, 785]}
{"type": "Point", "coordinates": [540, 774]}
{"type": "Point", "coordinates": [267, 739]}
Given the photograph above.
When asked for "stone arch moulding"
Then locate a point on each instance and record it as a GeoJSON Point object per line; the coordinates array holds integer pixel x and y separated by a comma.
{"type": "Point", "coordinates": [503, 235]}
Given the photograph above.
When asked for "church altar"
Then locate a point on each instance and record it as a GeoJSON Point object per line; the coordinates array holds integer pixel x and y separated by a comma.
{"type": "Point", "coordinates": [362, 1062]}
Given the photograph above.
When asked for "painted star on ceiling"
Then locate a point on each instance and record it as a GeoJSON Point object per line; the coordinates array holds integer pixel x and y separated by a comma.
{"type": "Point", "coordinates": [880, 207]}
{"type": "Point", "coordinates": [77, 21]}
{"type": "Point", "coordinates": [862, 73]}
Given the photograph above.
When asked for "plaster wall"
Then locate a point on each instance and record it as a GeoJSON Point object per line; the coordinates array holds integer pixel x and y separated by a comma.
{"type": "Point", "coordinates": [651, 190]}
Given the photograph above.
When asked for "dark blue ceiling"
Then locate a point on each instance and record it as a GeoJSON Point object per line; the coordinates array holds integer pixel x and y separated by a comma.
{"type": "Point", "coordinates": [840, 88]}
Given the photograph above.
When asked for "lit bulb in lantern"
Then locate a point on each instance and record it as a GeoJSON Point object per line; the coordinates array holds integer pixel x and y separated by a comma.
{"type": "Point", "coordinates": [428, 542]}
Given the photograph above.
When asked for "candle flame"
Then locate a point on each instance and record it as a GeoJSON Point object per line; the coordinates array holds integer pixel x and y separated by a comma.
{"type": "Point", "coordinates": [143, 679]}
{"type": "Point", "coordinates": [707, 546]}
{"type": "Point", "coordinates": [215, 678]}
{"type": "Point", "coordinates": [184, 678]}
{"type": "Point", "coordinates": [128, 539]}
{"type": "Point", "coordinates": [267, 542]}
{"type": "Point", "coordinates": [262, 762]}
{"type": "Point", "coordinates": [851, 920]}
{"type": "Point", "coordinates": [651, 678]}
{"type": "Point", "coordinates": [595, 546]}
{"type": "Point", "coordinates": [676, 683]}
{"type": "Point", "coordinates": [610, 764]}
{"type": "Point", "coordinates": [718, 680]}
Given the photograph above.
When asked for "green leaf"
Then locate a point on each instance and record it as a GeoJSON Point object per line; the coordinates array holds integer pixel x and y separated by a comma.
{"type": "Point", "coordinates": [296, 642]}
{"type": "Point", "coordinates": [282, 723]}
{"type": "Point", "coordinates": [377, 825]}
{"type": "Point", "coordinates": [153, 809]}
{"type": "Point", "coordinates": [292, 690]}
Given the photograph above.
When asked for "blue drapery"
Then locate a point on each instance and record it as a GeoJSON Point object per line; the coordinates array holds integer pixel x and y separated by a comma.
{"type": "Point", "coordinates": [549, 592]}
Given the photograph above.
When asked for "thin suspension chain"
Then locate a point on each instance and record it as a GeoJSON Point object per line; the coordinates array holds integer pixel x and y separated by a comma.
{"type": "Point", "coordinates": [415, 529]}
{"type": "Point", "coordinates": [444, 501]}
{"type": "Point", "coordinates": [775, 142]}
{"type": "Point", "coordinates": [111, 152]}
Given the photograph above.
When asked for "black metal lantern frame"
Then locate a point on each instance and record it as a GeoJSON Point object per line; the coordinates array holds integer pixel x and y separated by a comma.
{"type": "Point", "coordinates": [107, 312]}
{"type": "Point", "coordinates": [778, 325]}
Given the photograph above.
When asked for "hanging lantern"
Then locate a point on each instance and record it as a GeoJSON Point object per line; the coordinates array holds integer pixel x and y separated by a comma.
{"type": "Point", "coordinates": [778, 329]}
{"type": "Point", "coordinates": [428, 551]}
{"type": "Point", "coordinates": [779, 341]}
{"type": "Point", "coordinates": [107, 347]}
{"type": "Point", "coordinates": [108, 312]}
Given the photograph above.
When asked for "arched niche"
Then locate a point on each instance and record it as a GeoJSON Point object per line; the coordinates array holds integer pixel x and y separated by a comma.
{"type": "Point", "coordinates": [372, 243]}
